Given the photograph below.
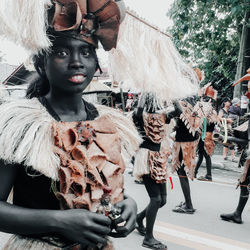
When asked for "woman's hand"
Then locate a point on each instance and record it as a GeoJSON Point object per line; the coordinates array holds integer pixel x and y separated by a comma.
{"type": "Point", "coordinates": [82, 226]}
{"type": "Point", "coordinates": [128, 218]}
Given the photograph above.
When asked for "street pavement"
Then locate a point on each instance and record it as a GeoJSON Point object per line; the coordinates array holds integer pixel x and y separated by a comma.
{"type": "Point", "coordinates": [204, 229]}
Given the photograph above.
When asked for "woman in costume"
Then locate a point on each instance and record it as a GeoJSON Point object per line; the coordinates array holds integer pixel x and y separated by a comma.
{"type": "Point", "coordinates": [151, 163]}
{"type": "Point", "coordinates": [60, 152]}
{"type": "Point", "coordinates": [241, 138]}
{"type": "Point", "coordinates": [206, 142]}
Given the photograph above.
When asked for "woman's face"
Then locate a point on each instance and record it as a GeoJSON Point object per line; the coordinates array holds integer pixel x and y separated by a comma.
{"type": "Point", "coordinates": [227, 104]}
{"type": "Point", "coordinates": [70, 66]}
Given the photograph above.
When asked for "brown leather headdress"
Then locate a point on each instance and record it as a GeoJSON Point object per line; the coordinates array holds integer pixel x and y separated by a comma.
{"type": "Point", "coordinates": [94, 20]}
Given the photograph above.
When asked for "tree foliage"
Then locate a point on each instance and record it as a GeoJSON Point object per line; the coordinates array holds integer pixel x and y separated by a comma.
{"type": "Point", "coordinates": [207, 33]}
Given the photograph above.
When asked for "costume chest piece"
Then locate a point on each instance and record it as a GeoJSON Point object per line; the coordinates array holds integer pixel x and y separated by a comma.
{"type": "Point", "coordinates": [154, 126]}
{"type": "Point", "coordinates": [90, 160]}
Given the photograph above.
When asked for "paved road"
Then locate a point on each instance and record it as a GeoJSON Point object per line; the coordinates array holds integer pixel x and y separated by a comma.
{"type": "Point", "coordinates": [202, 230]}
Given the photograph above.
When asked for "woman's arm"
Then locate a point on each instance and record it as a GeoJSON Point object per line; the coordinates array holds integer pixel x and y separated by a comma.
{"type": "Point", "coordinates": [78, 225]}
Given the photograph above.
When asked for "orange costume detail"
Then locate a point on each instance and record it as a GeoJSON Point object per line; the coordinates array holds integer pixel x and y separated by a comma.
{"type": "Point", "coordinates": [155, 131]}
{"type": "Point", "coordinates": [90, 154]}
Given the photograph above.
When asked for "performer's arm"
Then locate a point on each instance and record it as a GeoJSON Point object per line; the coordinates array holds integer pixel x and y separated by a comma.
{"type": "Point", "coordinates": [78, 225]}
{"type": "Point", "coordinates": [173, 113]}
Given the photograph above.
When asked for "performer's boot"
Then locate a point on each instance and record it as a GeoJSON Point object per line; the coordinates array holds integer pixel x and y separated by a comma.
{"type": "Point", "coordinates": [236, 216]}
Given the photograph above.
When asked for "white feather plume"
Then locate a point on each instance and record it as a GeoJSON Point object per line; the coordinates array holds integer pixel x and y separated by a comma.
{"type": "Point", "coordinates": [26, 136]}
{"type": "Point", "coordinates": [24, 22]}
{"type": "Point", "coordinates": [146, 59]}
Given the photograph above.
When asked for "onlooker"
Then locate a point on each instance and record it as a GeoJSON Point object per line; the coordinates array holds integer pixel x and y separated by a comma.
{"type": "Point", "coordinates": [244, 103]}
{"type": "Point", "coordinates": [224, 114]}
{"type": "Point", "coordinates": [129, 102]}
{"type": "Point", "coordinates": [235, 111]}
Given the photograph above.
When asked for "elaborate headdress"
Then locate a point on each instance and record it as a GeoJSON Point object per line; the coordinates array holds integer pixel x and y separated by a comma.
{"type": "Point", "coordinates": [209, 91]}
{"type": "Point", "coordinates": [31, 22]}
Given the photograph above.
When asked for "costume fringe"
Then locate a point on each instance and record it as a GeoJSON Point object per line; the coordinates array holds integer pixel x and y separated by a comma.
{"type": "Point", "coordinates": [26, 136]}
{"type": "Point", "coordinates": [141, 166]}
{"type": "Point", "coordinates": [188, 153]}
{"type": "Point", "coordinates": [146, 59]}
{"type": "Point", "coordinates": [24, 22]}
{"type": "Point", "coordinates": [129, 136]}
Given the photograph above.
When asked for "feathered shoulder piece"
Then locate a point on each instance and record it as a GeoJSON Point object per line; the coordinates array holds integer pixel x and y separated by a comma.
{"type": "Point", "coordinates": [130, 138]}
{"type": "Point", "coordinates": [27, 135]}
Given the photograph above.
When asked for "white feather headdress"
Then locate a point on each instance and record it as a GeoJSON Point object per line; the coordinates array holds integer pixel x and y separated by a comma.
{"type": "Point", "coordinates": [146, 58]}
{"type": "Point", "coordinates": [24, 22]}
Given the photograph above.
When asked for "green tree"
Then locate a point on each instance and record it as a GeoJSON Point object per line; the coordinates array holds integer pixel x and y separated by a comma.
{"type": "Point", "coordinates": [208, 34]}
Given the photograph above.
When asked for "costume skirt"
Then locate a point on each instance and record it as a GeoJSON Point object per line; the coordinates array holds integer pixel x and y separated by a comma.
{"type": "Point", "coordinates": [188, 152]}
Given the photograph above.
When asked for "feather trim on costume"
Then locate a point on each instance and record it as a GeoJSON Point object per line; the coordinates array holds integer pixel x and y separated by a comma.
{"type": "Point", "coordinates": [147, 59]}
{"type": "Point", "coordinates": [26, 135]}
{"type": "Point", "coordinates": [141, 166]}
{"type": "Point", "coordinates": [24, 22]}
{"type": "Point", "coordinates": [130, 138]}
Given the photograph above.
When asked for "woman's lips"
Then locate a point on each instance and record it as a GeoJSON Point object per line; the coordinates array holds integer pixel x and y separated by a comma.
{"type": "Point", "coordinates": [77, 78]}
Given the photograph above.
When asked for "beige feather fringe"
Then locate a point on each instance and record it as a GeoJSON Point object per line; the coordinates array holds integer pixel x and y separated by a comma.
{"type": "Point", "coordinates": [130, 138]}
{"type": "Point", "coordinates": [146, 59]}
{"type": "Point", "coordinates": [24, 22]}
{"type": "Point", "coordinates": [141, 166]}
{"type": "Point", "coordinates": [26, 136]}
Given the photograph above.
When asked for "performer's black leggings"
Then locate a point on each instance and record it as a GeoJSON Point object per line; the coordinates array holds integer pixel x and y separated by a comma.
{"type": "Point", "coordinates": [157, 193]}
{"type": "Point", "coordinates": [244, 194]}
{"type": "Point", "coordinates": [202, 153]}
{"type": "Point", "coordinates": [184, 182]}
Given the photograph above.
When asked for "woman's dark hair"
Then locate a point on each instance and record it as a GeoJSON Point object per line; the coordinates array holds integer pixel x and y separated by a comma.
{"type": "Point", "coordinates": [40, 87]}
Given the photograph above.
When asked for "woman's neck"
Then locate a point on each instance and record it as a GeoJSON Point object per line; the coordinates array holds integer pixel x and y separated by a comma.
{"type": "Point", "coordinates": [69, 107]}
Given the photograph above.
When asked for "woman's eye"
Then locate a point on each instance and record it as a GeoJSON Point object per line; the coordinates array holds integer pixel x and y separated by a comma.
{"type": "Point", "coordinates": [85, 52]}
{"type": "Point", "coordinates": [61, 53]}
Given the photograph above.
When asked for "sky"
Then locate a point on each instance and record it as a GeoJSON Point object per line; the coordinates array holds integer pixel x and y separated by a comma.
{"type": "Point", "coordinates": [154, 11]}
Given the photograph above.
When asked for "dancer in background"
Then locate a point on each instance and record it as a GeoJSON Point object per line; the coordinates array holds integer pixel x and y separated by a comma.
{"type": "Point", "coordinates": [206, 143]}
{"type": "Point", "coordinates": [151, 163]}
{"type": "Point", "coordinates": [242, 137]}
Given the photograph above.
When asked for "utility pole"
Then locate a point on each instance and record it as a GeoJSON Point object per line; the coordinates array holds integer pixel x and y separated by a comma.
{"type": "Point", "coordinates": [242, 57]}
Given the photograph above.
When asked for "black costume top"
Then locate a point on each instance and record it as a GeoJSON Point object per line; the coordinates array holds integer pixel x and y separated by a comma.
{"type": "Point", "coordinates": [183, 134]}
